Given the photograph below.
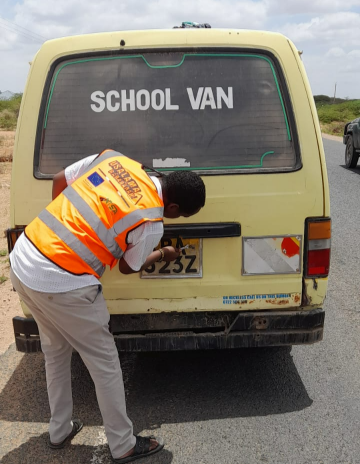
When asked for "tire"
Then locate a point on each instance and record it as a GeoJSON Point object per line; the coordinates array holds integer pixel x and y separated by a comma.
{"type": "Point", "coordinates": [351, 157]}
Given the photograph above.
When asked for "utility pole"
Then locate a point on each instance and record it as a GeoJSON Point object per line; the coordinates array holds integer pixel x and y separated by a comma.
{"type": "Point", "coordinates": [334, 93]}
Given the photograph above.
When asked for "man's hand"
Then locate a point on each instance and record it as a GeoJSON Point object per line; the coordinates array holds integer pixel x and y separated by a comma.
{"type": "Point", "coordinates": [170, 253]}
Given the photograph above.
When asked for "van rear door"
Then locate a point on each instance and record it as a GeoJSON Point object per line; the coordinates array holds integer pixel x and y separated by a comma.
{"type": "Point", "coordinates": [226, 114]}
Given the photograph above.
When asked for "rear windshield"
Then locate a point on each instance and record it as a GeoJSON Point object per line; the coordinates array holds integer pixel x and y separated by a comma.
{"type": "Point", "coordinates": [210, 112]}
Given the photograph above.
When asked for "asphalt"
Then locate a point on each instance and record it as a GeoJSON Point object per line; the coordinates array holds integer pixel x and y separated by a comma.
{"type": "Point", "coordinates": [228, 407]}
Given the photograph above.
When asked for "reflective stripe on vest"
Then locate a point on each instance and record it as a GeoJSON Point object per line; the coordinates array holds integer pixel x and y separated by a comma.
{"type": "Point", "coordinates": [134, 217]}
{"type": "Point", "coordinates": [72, 242]}
{"type": "Point", "coordinates": [106, 236]}
{"type": "Point", "coordinates": [102, 157]}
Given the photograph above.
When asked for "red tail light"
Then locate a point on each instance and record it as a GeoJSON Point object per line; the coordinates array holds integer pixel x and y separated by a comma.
{"type": "Point", "coordinates": [318, 245]}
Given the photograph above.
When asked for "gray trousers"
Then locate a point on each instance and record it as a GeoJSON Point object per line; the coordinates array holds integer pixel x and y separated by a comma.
{"type": "Point", "coordinates": [79, 319]}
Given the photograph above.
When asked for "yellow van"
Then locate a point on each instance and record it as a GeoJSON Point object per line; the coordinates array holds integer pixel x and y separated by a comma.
{"type": "Point", "coordinates": [236, 107]}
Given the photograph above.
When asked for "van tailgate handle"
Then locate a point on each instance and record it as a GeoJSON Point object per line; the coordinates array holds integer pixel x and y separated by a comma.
{"type": "Point", "coordinates": [204, 230]}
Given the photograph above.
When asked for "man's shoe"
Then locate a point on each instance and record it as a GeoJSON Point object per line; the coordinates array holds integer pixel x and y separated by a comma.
{"type": "Point", "coordinates": [142, 449]}
{"type": "Point", "coordinates": [77, 426]}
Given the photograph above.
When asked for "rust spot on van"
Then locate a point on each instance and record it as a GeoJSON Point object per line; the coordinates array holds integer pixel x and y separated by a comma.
{"type": "Point", "coordinates": [296, 298]}
{"type": "Point", "coordinates": [277, 302]}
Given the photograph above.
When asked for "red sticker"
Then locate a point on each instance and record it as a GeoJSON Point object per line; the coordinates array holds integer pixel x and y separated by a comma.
{"type": "Point", "coordinates": [289, 247]}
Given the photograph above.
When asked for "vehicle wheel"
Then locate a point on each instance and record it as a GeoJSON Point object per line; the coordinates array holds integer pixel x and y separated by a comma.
{"type": "Point", "coordinates": [351, 157]}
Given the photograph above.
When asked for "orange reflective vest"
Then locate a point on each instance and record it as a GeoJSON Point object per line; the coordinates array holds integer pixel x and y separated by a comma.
{"type": "Point", "coordinates": [86, 227]}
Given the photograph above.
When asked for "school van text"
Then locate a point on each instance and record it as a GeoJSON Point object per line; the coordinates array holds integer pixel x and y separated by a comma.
{"type": "Point", "coordinates": [131, 100]}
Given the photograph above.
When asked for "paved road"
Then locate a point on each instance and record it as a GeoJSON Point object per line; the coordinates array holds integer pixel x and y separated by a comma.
{"type": "Point", "coordinates": [246, 407]}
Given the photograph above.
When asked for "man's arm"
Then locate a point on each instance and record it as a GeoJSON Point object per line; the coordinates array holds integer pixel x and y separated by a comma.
{"type": "Point", "coordinates": [59, 184]}
{"type": "Point", "coordinates": [67, 176]}
{"type": "Point", "coordinates": [170, 254]}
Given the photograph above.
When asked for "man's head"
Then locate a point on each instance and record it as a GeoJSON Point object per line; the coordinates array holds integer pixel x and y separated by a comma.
{"type": "Point", "coordinates": [183, 193]}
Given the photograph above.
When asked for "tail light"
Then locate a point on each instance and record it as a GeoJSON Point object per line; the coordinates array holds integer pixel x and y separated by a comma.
{"type": "Point", "coordinates": [317, 247]}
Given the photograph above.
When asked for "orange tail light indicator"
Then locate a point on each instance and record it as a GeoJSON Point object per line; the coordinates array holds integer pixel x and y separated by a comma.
{"type": "Point", "coordinates": [319, 230]}
{"type": "Point", "coordinates": [318, 245]}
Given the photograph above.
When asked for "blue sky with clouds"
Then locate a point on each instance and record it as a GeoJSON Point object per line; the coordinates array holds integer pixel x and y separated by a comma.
{"type": "Point", "coordinates": [327, 31]}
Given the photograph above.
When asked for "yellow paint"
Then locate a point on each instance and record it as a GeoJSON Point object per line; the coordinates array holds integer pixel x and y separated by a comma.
{"type": "Point", "coordinates": [296, 241]}
{"type": "Point", "coordinates": [315, 289]}
{"type": "Point", "coordinates": [265, 205]}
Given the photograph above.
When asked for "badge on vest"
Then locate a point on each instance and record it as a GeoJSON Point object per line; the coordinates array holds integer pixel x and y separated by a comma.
{"type": "Point", "coordinates": [95, 179]}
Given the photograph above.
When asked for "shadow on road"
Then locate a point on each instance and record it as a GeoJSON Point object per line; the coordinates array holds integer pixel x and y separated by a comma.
{"type": "Point", "coordinates": [354, 170]}
{"type": "Point", "coordinates": [169, 387]}
{"type": "Point", "coordinates": [36, 451]}
{"type": "Point", "coordinates": [198, 386]}
{"type": "Point", "coordinates": [24, 397]}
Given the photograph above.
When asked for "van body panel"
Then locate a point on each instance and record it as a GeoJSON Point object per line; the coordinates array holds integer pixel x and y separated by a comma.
{"type": "Point", "coordinates": [317, 130]}
{"type": "Point", "coordinates": [274, 204]}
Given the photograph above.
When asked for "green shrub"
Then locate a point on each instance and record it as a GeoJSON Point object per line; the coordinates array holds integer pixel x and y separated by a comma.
{"type": "Point", "coordinates": [342, 112]}
{"type": "Point", "coordinates": [9, 112]}
{"type": "Point", "coordinates": [8, 120]}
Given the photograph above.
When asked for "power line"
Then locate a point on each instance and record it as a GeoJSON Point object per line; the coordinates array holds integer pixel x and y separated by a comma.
{"type": "Point", "coordinates": [18, 29]}
{"type": "Point", "coordinates": [20, 32]}
{"type": "Point", "coordinates": [14, 31]}
{"type": "Point", "coordinates": [24, 28]}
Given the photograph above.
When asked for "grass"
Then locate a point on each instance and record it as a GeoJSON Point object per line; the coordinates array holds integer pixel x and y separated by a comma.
{"type": "Point", "coordinates": [339, 112]}
{"type": "Point", "coordinates": [3, 279]}
{"type": "Point", "coordinates": [9, 112]}
{"type": "Point", "coordinates": [333, 117]}
{"type": "Point", "coordinates": [3, 252]}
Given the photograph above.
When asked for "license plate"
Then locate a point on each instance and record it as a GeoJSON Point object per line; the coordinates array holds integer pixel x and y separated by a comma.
{"type": "Point", "coordinates": [187, 265]}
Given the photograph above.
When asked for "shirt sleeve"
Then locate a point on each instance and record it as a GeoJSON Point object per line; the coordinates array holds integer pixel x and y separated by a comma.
{"type": "Point", "coordinates": [74, 171]}
{"type": "Point", "coordinates": [142, 242]}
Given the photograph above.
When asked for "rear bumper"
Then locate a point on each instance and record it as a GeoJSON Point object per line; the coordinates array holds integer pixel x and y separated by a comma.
{"type": "Point", "coordinates": [197, 331]}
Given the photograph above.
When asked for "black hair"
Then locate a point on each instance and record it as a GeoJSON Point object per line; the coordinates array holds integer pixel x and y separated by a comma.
{"type": "Point", "coordinates": [186, 189]}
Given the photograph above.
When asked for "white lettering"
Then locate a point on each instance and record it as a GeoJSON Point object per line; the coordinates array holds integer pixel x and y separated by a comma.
{"type": "Point", "coordinates": [208, 99]}
{"type": "Point", "coordinates": [195, 103]}
{"type": "Point", "coordinates": [125, 101]}
{"type": "Point", "coordinates": [161, 104]}
{"type": "Point", "coordinates": [97, 97]}
{"type": "Point", "coordinates": [169, 106]}
{"type": "Point", "coordinates": [228, 99]}
{"type": "Point", "coordinates": [146, 105]}
{"type": "Point", "coordinates": [160, 99]}
{"type": "Point", "coordinates": [171, 163]}
{"type": "Point", "coordinates": [109, 105]}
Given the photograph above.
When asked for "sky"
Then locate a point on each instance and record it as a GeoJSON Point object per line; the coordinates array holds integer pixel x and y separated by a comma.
{"type": "Point", "coordinates": [327, 31]}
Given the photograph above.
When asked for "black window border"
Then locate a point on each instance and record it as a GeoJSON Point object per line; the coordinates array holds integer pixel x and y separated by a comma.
{"type": "Point", "coordinates": [195, 50]}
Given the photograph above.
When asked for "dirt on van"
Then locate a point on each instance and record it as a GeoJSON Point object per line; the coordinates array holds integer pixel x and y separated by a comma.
{"type": "Point", "coordinates": [9, 301]}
